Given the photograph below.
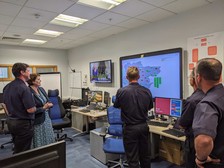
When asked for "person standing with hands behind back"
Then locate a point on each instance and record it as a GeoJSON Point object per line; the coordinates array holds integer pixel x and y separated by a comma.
{"type": "Point", "coordinates": [43, 131]}
{"type": "Point", "coordinates": [21, 107]}
{"type": "Point", "coordinates": [135, 101]}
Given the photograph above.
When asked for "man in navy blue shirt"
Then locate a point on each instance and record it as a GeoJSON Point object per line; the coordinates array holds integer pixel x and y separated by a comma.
{"type": "Point", "coordinates": [208, 122]}
{"type": "Point", "coordinates": [186, 121]}
{"type": "Point", "coordinates": [135, 101]}
{"type": "Point", "coordinates": [21, 107]}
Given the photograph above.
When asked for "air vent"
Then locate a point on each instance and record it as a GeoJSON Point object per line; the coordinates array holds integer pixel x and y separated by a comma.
{"type": "Point", "coordinates": [12, 39]}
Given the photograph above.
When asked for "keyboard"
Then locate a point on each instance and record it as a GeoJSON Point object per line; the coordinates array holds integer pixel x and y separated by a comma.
{"type": "Point", "coordinates": [84, 110]}
{"type": "Point", "coordinates": [157, 123]}
{"type": "Point", "coordinates": [174, 132]}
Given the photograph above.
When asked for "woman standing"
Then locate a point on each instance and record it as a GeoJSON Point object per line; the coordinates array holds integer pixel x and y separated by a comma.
{"type": "Point", "coordinates": [43, 131]}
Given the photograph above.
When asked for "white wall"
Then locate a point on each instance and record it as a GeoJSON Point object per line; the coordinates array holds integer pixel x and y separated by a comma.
{"type": "Point", "coordinates": [169, 33]}
{"type": "Point", "coordinates": [36, 56]}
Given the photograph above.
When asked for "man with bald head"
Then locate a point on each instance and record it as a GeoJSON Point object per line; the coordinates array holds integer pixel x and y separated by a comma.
{"type": "Point", "coordinates": [208, 122]}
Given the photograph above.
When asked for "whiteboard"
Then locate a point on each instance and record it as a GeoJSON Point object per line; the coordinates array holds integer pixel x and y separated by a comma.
{"type": "Point", "coordinates": [51, 81]}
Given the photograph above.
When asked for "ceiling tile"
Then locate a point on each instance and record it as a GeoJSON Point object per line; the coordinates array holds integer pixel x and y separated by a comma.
{"type": "Point", "coordinates": [6, 19]}
{"type": "Point", "coordinates": [111, 18]}
{"type": "Point", "coordinates": [132, 23]}
{"type": "Point", "coordinates": [76, 33]}
{"type": "Point", "coordinates": [108, 31]}
{"type": "Point", "coordinates": [17, 2]}
{"type": "Point", "coordinates": [91, 25]}
{"type": "Point", "coordinates": [28, 23]}
{"type": "Point", "coordinates": [51, 5]}
{"type": "Point", "coordinates": [154, 15]}
{"type": "Point", "coordinates": [38, 15]}
{"type": "Point", "coordinates": [132, 8]}
{"type": "Point", "coordinates": [3, 27]}
{"type": "Point", "coordinates": [158, 3]}
{"type": "Point", "coordinates": [84, 12]}
{"type": "Point", "coordinates": [183, 5]}
{"type": "Point", "coordinates": [9, 9]}
{"type": "Point", "coordinates": [21, 30]}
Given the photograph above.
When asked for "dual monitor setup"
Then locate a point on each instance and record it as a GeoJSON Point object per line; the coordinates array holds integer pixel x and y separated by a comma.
{"type": "Point", "coordinates": [171, 107]}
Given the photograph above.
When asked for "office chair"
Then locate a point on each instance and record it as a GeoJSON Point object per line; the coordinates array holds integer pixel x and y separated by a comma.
{"type": "Point", "coordinates": [114, 143]}
{"type": "Point", "coordinates": [58, 115]}
{"type": "Point", "coordinates": [4, 121]}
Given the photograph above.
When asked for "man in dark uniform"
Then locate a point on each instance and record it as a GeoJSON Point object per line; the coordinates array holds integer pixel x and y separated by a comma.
{"type": "Point", "coordinates": [135, 101]}
{"type": "Point", "coordinates": [208, 122]}
{"type": "Point", "coordinates": [186, 121]}
{"type": "Point", "coordinates": [21, 107]}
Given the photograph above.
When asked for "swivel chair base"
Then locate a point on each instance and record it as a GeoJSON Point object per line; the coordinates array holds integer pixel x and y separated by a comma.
{"type": "Point", "coordinates": [63, 137]}
{"type": "Point", "coordinates": [6, 143]}
{"type": "Point", "coordinates": [121, 163]}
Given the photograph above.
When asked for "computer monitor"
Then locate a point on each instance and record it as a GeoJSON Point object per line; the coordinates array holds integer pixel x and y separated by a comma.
{"type": "Point", "coordinates": [175, 107]}
{"type": "Point", "coordinates": [162, 106]}
{"type": "Point", "coordinates": [1, 97]}
{"type": "Point", "coordinates": [53, 155]}
{"type": "Point", "coordinates": [168, 106]}
{"type": "Point", "coordinates": [106, 98]}
{"type": "Point", "coordinates": [95, 96]}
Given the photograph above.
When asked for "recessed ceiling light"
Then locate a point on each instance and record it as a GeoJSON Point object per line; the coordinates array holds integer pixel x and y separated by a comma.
{"type": "Point", "coordinates": [33, 41]}
{"type": "Point", "coordinates": [69, 21]}
{"type": "Point", "coordinates": [105, 4]}
{"type": "Point", "coordinates": [48, 33]}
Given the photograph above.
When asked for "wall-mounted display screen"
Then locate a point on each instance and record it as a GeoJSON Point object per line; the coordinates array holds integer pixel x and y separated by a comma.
{"type": "Point", "coordinates": [101, 71]}
{"type": "Point", "coordinates": [160, 71]}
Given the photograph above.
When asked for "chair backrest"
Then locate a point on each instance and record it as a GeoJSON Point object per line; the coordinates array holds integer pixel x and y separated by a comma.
{"type": "Point", "coordinates": [114, 119]}
{"type": "Point", "coordinates": [57, 111]}
{"type": "Point", "coordinates": [5, 109]}
{"type": "Point", "coordinates": [113, 99]}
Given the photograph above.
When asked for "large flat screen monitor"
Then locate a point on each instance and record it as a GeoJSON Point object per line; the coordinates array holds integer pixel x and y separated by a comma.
{"type": "Point", "coordinates": [168, 106]}
{"type": "Point", "coordinates": [160, 71]}
{"type": "Point", "coordinates": [48, 156]}
{"type": "Point", "coordinates": [101, 71]}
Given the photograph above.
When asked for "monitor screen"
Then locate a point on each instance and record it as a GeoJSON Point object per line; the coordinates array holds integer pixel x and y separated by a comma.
{"type": "Point", "coordinates": [1, 97]}
{"type": "Point", "coordinates": [168, 106]}
{"type": "Point", "coordinates": [95, 96]}
{"type": "Point", "coordinates": [52, 155]}
{"type": "Point", "coordinates": [160, 71]}
{"type": "Point", "coordinates": [106, 98]}
{"type": "Point", "coordinates": [162, 106]}
{"type": "Point", "coordinates": [101, 71]}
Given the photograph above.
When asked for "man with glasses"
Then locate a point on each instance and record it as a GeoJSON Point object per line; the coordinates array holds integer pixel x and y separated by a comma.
{"type": "Point", "coordinates": [20, 104]}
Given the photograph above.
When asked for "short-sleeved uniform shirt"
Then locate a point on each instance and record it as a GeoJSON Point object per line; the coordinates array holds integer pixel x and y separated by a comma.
{"type": "Point", "coordinates": [189, 107]}
{"type": "Point", "coordinates": [18, 98]}
{"type": "Point", "coordinates": [209, 119]}
{"type": "Point", "coordinates": [134, 101]}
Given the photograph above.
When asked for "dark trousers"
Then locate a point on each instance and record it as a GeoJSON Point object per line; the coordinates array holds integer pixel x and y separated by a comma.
{"type": "Point", "coordinates": [189, 153]}
{"type": "Point", "coordinates": [137, 146]}
{"type": "Point", "coordinates": [22, 134]}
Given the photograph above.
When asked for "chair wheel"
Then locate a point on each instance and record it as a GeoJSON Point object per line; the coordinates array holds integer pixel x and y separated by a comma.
{"type": "Point", "coordinates": [2, 147]}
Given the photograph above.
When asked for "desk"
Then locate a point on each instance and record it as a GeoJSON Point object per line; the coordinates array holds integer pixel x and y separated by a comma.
{"type": "Point", "coordinates": [169, 147]}
{"type": "Point", "coordinates": [79, 119]}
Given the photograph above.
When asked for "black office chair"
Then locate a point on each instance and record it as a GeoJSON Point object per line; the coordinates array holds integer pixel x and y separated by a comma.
{"type": "Point", "coordinates": [58, 115]}
{"type": "Point", "coordinates": [4, 122]}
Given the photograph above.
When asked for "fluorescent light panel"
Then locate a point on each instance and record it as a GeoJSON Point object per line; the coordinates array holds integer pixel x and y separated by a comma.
{"type": "Point", "coordinates": [104, 4]}
{"type": "Point", "coordinates": [69, 21]}
{"type": "Point", "coordinates": [48, 33]}
{"type": "Point", "coordinates": [33, 41]}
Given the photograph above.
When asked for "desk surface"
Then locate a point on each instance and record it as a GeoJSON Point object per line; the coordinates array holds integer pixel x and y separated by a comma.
{"type": "Point", "coordinates": [93, 113]}
{"type": "Point", "coordinates": [158, 130]}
